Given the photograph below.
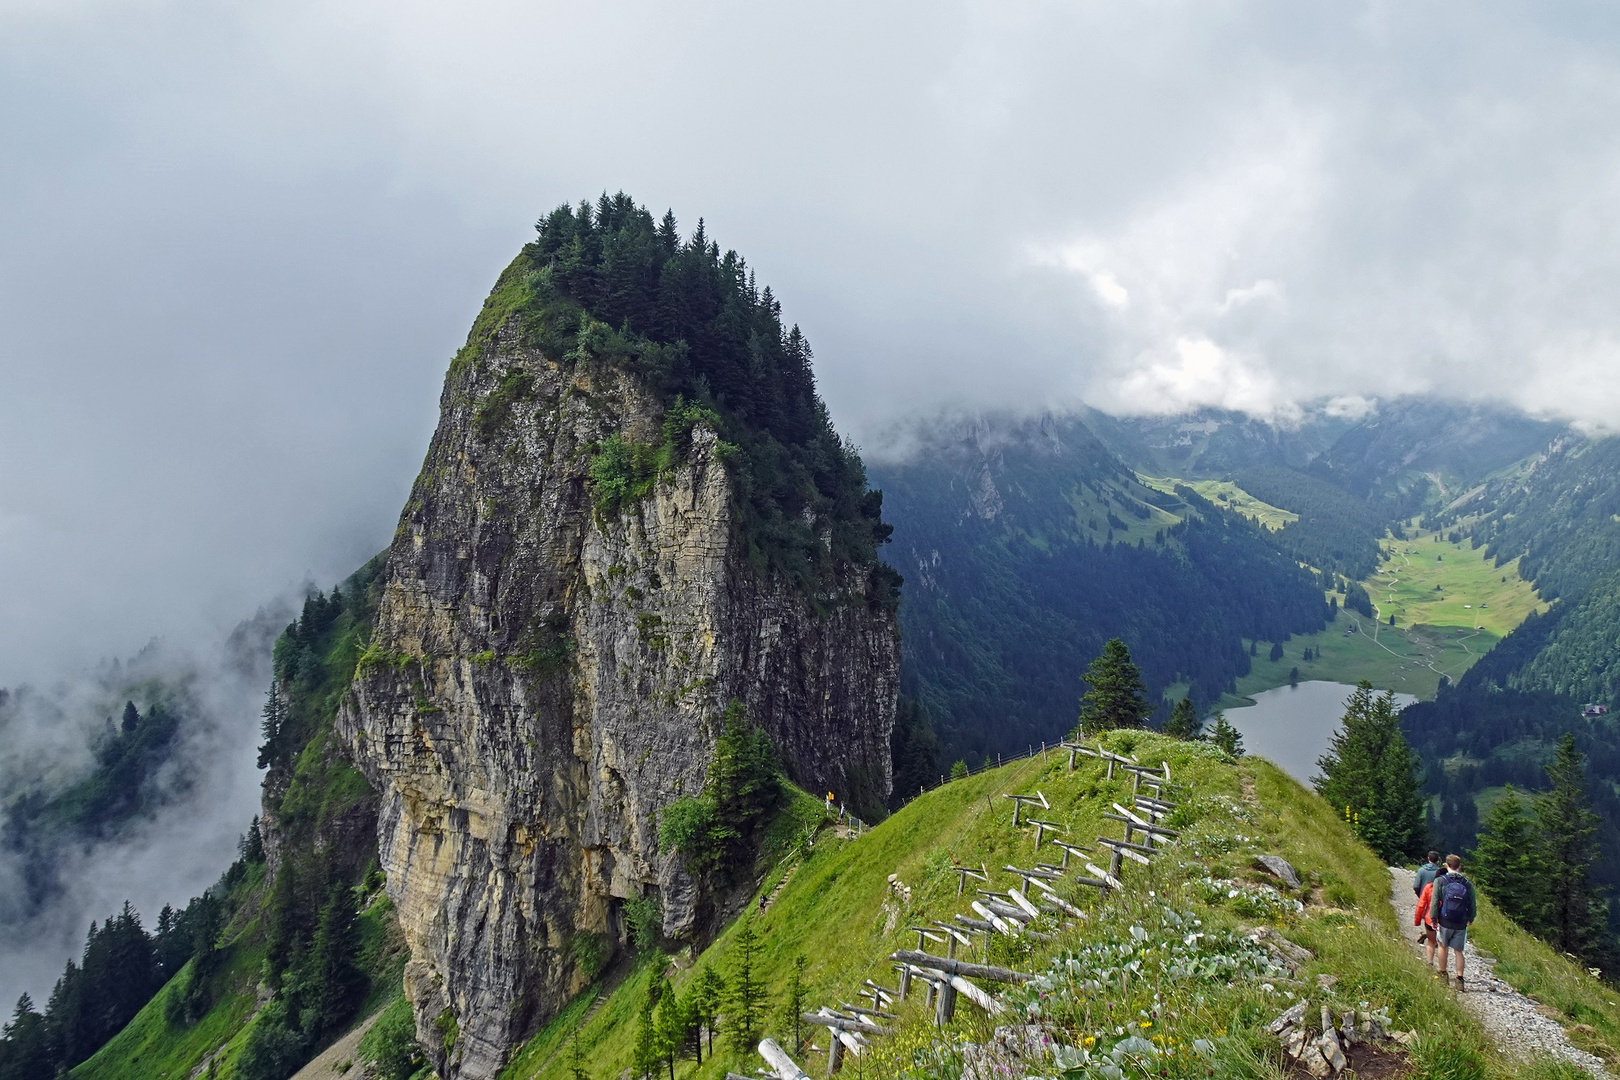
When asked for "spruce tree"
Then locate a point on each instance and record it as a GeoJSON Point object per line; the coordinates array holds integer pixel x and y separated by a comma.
{"type": "Point", "coordinates": [1574, 904]}
{"type": "Point", "coordinates": [670, 1024]}
{"type": "Point", "coordinates": [1225, 737]}
{"type": "Point", "coordinates": [707, 991]}
{"type": "Point", "coordinates": [132, 717]}
{"type": "Point", "coordinates": [1184, 722]}
{"type": "Point", "coordinates": [1508, 863]}
{"type": "Point", "coordinates": [1116, 696]}
{"type": "Point", "coordinates": [576, 1060]}
{"type": "Point", "coordinates": [745, 994]}
{"type": "Point", "coordinates": [793, 1004]}
{"type": "Point", "coordinates": [26, 1052]}
{"type": "Point", "coordinates": [1369, 774]}
{"type": "Point", "coordinates": [645, 1058]}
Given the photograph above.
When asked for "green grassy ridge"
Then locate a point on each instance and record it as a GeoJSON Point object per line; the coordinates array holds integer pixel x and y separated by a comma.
{"type": "Point", "coordinates": [839, 909]}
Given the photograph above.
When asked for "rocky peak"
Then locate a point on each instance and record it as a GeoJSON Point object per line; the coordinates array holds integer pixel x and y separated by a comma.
{"type": "Point", "coordinates": [550, 655]}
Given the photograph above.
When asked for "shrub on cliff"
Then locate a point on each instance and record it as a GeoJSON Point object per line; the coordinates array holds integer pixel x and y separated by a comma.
{"type": "Point", "coordinates": [717, 830]}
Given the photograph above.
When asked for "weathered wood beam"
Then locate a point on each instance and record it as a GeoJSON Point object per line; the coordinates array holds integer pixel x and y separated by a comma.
{"type": "Point", "coordinates": [1129, 851]}
{"type": "Point", "coordinates": [1108, 879]}
{"type": "Point", "coordinates": [1022, 901]}
{"type": "Point", "coordinates": [1129, 845]}
{"type": "Point", "coordinates": [840, 1023]}
{"type": "Point", "coordinates": [945, 964]}
{"type": "Point", "coordinates": [782, 1065]}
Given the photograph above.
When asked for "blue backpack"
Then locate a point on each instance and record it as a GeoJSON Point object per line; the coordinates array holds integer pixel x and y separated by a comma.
{"type": "Point", "coordinates": [1453, 900]}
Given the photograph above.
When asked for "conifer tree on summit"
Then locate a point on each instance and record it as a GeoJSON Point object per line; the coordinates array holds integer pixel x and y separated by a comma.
{"type": "Point", "coordinates": [1184, 722]}
{"type": "Point", "coordinates": [1370, 773]}
{"type": "Point", "coordinates": [1116, 696]}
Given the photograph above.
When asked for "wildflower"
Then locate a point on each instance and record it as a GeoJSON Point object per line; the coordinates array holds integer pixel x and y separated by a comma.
{"type": "Point", "coordinates": [1147, 1023]}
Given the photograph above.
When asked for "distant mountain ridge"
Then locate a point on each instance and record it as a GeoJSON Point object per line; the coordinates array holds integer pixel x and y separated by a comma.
{"type": "Point", "coordinates": [1026, 544]}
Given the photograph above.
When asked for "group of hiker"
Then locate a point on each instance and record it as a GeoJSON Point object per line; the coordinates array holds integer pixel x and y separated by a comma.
{"type": "Point", "coordinates": [1445, 907]}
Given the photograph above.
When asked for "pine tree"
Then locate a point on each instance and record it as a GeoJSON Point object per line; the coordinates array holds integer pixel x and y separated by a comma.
{"type": "Point", "coordinates": [337, 982]}
{"type": "Point", "coordinates": [670, 1027]}
{"type": "Point", "coordinates": [1575, 907]}
{"type": "Point", "coordinates": [1116, 696]}
{"type": "Point", "coordinates": [26, 1053]}
{"type": "Point", "coordinates": [576, 1060]}
{"type": "Point", "coordinates": [793, 1004]}
{"type": "Point", "coordinates": [645, 1058]}
{"type": "Point", "coordinates": [1369, 773]}
{"type": "Point", "coordinates": [132, 717]}
{"type": "Point", "coordinates": [707, 991]}
{"type": "Point", "coordinates": [1508, 864]}
{"type": "Point", "coordinates": [1225, 737]}
{"type": "Point", "coordinates": [1184, 722]}
{"type": "Point", "coordinates": [743, 1000]}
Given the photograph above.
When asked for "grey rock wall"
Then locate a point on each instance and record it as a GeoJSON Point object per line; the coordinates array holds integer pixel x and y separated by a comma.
{"type": "Point", "coordinates": [542, 681]}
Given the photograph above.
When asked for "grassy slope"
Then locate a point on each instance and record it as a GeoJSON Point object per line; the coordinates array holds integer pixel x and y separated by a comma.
{"type": "Point", "coordinates": [1437, 631]}
{"type": "Point", "coordinates": [1226, 493]}
{"type": "Point", "coordinates": [1473, 592]}
{"type": "Point", "coordinates": [150, 1047]}
{"type": "Point", "coordinates": [839, 910]}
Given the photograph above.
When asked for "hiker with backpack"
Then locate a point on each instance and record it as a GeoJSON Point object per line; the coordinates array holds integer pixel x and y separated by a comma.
{"type": "Point", "coordinates": [1453, 907]}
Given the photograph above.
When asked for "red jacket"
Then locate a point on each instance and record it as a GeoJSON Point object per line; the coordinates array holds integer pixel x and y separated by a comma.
{"type": "Point", "coordinates": [1420, 917]}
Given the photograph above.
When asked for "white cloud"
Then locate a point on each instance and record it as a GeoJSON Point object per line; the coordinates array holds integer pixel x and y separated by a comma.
{"type": "Point", "coordinates": [1198, 372]}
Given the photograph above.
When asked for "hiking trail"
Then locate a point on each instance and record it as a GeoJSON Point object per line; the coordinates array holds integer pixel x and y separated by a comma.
{"type": "Point", "coordinates": [1514, 1022]}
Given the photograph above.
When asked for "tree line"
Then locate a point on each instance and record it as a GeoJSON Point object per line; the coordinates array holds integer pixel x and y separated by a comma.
{"type": "Point", "coordinates": [608, 282]}
{"type": "Point", "coordinates": [119, 970]}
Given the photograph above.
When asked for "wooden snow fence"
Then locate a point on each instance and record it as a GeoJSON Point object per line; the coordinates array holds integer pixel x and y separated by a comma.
{"type": "Point", "coordinates": [1020, 800]}
{"type": "Point", "coordinates": [952, 978]}
{"type": "Point", "coordinates": [1097, 752]}
{"type": "Point", "coordinates": [1013, 913]}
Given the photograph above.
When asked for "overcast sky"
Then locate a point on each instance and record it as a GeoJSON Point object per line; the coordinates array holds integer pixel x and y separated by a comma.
{"type": "Point", "coordinates": [239, 242]}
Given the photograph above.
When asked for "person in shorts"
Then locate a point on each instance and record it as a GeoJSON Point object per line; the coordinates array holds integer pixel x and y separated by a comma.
{"type": "Point", "coordinates": [1452, 906]}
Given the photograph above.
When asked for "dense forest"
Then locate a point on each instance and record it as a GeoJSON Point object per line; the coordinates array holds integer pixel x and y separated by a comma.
{"type": "Point", "coordinates": [121, 968]}
{"type": "Point", "coordinates": [1027, 547]}
{"type": "Point", "coordinates": [1336, 531]}
{"type": "Point", "coordinates": [608, 283]}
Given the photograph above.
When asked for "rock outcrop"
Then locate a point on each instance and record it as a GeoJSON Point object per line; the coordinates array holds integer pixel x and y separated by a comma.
{"type": "Point", "coordinates": [544, 677]}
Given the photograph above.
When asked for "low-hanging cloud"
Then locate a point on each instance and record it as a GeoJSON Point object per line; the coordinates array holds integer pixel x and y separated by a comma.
{"type": "Point", "coordinates": [238, 243]}
{"type": "Point", "coordinates": [54, 882]}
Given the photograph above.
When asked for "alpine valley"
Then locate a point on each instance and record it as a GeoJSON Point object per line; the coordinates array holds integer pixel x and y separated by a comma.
{"type": "Point", "coordinates": [665, 719]}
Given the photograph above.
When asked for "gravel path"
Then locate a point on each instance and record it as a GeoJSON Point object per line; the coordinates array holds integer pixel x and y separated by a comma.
{"type": "Point", "coordinates": [1513, 1021]}
{"type": "Point", "coordinates": [329, 1063]}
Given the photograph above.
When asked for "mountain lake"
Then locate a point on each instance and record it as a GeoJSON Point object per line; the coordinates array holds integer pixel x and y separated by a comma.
{"type": "Point", "coordinates": [1291, 725]}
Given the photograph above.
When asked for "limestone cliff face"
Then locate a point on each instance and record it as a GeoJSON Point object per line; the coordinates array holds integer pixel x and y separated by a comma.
{"type": "Point", "coordinates": [543, 679]}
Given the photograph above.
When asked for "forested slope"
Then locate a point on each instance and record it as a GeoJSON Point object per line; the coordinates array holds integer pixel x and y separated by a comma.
{"type": "Point", "coordinates": [1028, 545]}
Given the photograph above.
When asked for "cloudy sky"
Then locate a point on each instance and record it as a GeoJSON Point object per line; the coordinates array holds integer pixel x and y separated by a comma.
{"type": "Point", "coordinates": [239, 242]}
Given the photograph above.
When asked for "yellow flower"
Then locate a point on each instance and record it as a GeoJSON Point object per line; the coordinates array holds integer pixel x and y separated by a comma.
{"type": "Point", "coordinates": [1090, 1039]}
{"type": "Point", "coordinates": [1147, 1023]}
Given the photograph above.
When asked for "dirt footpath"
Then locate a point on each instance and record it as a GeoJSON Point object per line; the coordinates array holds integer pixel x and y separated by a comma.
{"type": "Point", "coordinates": [330, 1063]}
{"type": "Point", "coordinates": [1513, 1022]}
